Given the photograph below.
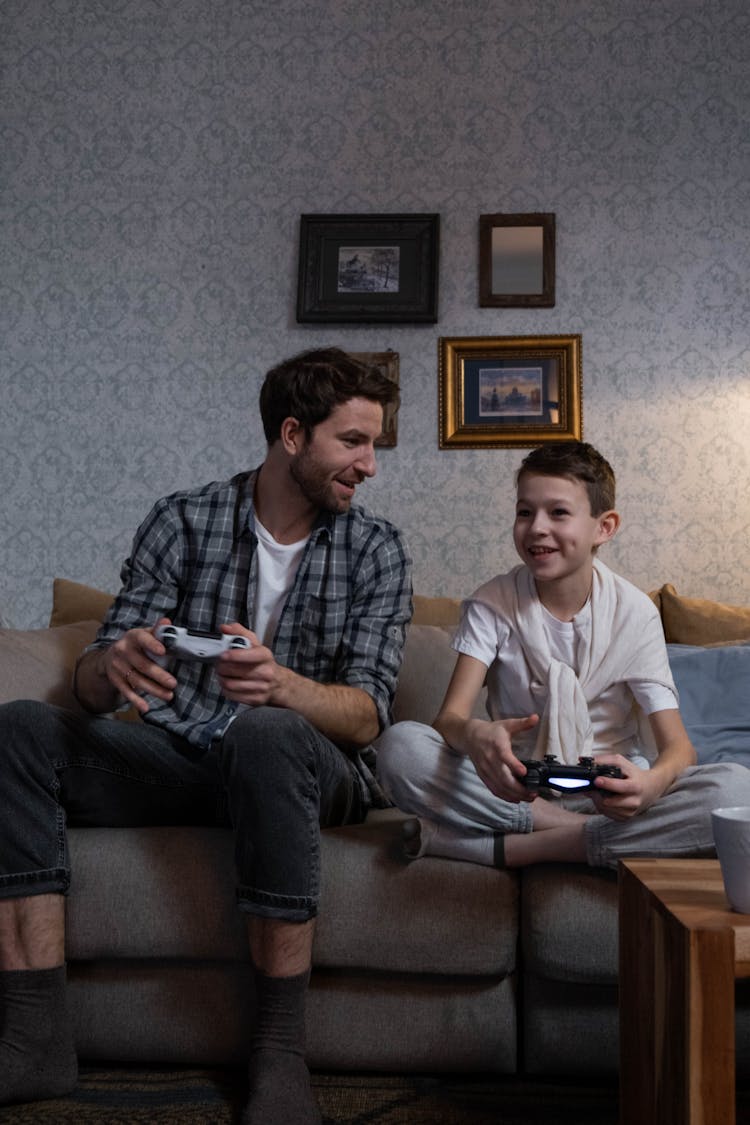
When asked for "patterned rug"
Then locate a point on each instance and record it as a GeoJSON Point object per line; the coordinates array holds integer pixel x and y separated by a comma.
{"type": "Point", "coordinates": [214, 1097]}
{"type": "Point", "coordinates": [126, 1096]}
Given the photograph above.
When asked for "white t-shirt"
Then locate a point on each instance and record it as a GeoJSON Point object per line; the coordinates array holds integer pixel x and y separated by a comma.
{"type": "Point", "coordinates": [614, 716]}
{"type": "Point", "coordinates": [277, 568]}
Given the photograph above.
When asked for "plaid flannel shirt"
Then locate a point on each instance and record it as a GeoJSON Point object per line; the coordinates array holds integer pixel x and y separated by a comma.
{"type": "Point", "coordinates": [194, 560]}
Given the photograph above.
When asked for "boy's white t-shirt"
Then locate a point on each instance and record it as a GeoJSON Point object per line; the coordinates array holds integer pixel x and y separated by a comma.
{"type": "Point", "coordinates": [484, 635]}
{"type": "Point", "coordinates": [277, 568]}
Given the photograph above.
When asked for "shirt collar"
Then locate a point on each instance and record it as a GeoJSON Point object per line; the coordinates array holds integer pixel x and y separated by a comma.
{"type": "Point", "coordinates": [244, 511]}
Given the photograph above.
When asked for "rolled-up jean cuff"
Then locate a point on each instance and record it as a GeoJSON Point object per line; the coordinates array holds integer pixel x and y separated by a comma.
{"type": "Point", "coordinates": [55, 881]}
{"type": "Point", "coordinates": [286, 908]}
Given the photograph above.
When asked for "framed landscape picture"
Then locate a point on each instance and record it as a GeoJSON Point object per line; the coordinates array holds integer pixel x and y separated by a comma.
{"type": "Point", "coordinates": [505, 391]}
{"type": "Point", "coordinates": [368, 269]}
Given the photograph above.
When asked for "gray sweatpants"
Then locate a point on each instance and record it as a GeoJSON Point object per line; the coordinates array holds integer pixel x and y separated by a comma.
{"type": "Point", "coordinates": [423, 776]}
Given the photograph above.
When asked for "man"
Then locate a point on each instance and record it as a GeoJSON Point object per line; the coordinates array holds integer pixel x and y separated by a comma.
{"type": "Point", "coordinates": [267, 739]}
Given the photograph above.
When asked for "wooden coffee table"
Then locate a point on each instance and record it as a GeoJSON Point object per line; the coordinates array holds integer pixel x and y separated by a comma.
{"type": "Point", "coordinates": [681, 950]}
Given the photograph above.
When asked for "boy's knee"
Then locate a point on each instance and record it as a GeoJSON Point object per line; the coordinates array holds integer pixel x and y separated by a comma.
{"type": "Point", "coordinates": [401, 751]}
{"type": "Point", "coordinates": [715, 785]}
{"type": "Point", "coordinates": [732, 781]}
{"type": "Point", "coordinates": [395, 744]}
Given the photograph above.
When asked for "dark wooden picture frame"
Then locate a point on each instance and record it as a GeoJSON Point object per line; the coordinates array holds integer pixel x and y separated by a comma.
{"type": "Point", "coordinates": [517, 260]}
{"type": "Point", "coordinates": [508, 391]}
{"type": "Point", "coordinates": [368, 269]}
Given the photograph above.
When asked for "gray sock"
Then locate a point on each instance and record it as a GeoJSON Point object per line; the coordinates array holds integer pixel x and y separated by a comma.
{"type": "Point", "coordinates": [280, 1091]}
{"type": "Point", "coordinates": [37, 1054]}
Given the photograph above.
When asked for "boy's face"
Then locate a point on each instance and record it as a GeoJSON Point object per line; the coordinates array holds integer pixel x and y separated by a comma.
{"type": "Point", "coordinates": [554, 532]}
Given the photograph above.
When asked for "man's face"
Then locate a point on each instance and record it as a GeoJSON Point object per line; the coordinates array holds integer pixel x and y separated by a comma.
{"type": "Point", "coordinates": [339, 455]}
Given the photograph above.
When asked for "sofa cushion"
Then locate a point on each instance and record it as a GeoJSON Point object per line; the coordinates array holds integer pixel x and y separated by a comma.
{"type": "Point", "coordinates": [426, 669]}
{"type": "Point", "coordinates": [170, 892]}
{"type": "Point", "coordinates": [39, 663]}
{"type": "Point", "coordinates": [425, 673]}
{"type": "Point", "coordinates": [200, 1014]}
{"type": "Point", "coordinates": [569, 923]}
{"type": "Point", "coordinates": [382, 912]}
{"type": "Point", "coordinates": [714, 699]}
{"type": "Point", "coordinates": [697, 621]}
{"type": "Point", "coordinates": [71, 601]}
{"type": "Point", "coordinates": [436, 611]}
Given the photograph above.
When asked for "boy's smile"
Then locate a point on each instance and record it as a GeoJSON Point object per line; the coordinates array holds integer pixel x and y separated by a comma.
{"type": "Point", "coordinates": [554, 532]}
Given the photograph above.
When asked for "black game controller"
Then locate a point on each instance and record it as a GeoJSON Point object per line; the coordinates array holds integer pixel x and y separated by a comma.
{"type": "Point", "coordinates": [551, 774]}
{"type": "Point", "coordinates": [192, 644]}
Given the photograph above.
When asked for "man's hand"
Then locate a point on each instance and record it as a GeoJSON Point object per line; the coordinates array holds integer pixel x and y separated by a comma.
{"type": "Point", "coordinates": [488, 744]}
{"type": "Point", "coordinates": [126, 669]}
{"type": "Point", "coordinates": [347, 715]}
{"type": "Point", "coordinates": [251, 675]}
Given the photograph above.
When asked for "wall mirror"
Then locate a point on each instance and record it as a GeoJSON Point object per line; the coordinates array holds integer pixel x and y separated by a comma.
{"type": "Point", "coordinates": [517, 260]}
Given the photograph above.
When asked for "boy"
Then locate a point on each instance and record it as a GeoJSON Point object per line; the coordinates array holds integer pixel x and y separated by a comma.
{"type": "Point", "coordinates": [574, 658]}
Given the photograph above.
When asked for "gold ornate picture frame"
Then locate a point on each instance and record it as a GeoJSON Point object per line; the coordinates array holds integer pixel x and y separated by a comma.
{"type": "Point", "coordinates": [498, 392]}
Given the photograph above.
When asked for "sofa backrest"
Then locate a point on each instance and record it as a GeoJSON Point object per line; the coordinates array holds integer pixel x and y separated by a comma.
{"type": "Point", "coordinates": [426, 670]}
{"type": "Point", "coordinates": [39, 663]}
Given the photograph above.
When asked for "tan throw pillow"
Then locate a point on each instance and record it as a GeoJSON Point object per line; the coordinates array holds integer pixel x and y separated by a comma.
{"type": "Point", "coordinates": [425, 674]}
{"type": "Point", "coordinates": [697, 621]}
{"type": "Point", "coordinates": [72, 601]}
{"type": "Point", "coordinates": [39, 663]}
{"type": "Point", "coordinates": [436, 611]}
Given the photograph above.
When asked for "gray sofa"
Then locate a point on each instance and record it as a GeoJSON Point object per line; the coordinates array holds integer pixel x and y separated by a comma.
{"type": "Point", "coordinates": [430, 966]}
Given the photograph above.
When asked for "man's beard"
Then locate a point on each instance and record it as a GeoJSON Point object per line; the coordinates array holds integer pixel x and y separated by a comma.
{"type": "Point", "coordinates": [315, 484]}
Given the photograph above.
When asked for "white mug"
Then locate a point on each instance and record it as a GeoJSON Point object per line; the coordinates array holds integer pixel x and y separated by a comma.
{"type": "Point", "coordinates": [731, 828]}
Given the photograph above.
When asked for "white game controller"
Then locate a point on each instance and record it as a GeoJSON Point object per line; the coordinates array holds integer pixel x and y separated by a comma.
{"type": "Point", "coordinates": [192, 644]}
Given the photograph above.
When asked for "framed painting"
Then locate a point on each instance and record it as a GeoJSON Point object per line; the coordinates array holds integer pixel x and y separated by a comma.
{"type": "Point", "coordinates": [388, 362]}
{"type": "Point", "coordinates": [517, 260]}
{"type": "Point", "coordinates": [499, 392]}
{"type": "Point", "coordinates": [368, 269]}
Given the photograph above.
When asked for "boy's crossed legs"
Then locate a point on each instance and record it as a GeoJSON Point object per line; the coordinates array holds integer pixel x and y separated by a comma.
{"type": "Point", "coordinates": [459, 818]}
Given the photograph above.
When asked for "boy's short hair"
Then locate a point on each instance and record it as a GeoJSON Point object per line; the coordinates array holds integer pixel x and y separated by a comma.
{"type": "Point", "coordinates": [309, 386]}
{"type": "Point", "coordinates": [576, 460]}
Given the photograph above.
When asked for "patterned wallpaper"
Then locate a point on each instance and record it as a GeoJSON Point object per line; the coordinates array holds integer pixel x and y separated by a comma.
{"type": "Point", "coordinates": [156, 156]}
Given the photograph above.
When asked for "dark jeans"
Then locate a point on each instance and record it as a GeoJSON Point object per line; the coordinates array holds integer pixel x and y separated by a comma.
{"type": "Point", "coordinates": [274, 779]}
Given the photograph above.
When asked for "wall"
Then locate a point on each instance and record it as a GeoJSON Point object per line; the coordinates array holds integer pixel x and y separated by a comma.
{"type": "Point", "coordinates": [156, 158]}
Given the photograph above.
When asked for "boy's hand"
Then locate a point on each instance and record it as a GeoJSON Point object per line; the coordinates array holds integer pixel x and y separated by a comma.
{"type": "Point", "coordinates": [623, 798]}
{"type": "Point", "coordinates": [491, 752]}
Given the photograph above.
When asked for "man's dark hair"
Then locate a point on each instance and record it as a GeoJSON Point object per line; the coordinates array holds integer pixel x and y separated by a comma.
{"type": "Point", "coordinates": [311, 385]}
{"type": "Point", "coordinates": [576, 460]}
